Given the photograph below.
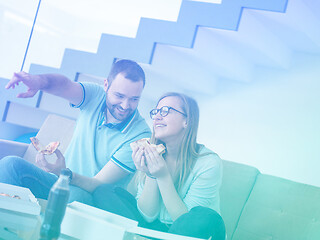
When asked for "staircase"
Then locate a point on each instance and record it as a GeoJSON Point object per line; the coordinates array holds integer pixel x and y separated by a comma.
{"type": "Point", "coordinates": [201, 44]}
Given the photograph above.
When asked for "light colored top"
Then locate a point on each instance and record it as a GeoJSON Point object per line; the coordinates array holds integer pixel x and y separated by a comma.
{"type": "Point", "coordinates": [94, 142]}
{"type": "Point", "coordinates": [201, 188]}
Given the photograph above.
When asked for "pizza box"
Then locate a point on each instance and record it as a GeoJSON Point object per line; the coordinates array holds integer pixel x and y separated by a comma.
{"type": "Point", "coordinates": [144, 233]}
{"type": "Point", "coordinates": [7, 234]}
{"type": "Point", "coordinates": [16, 220]}
{"type": "Point", "coordinates": [17, 225]}
{"type": "Point", "coordinates": [18, 199]}
{"type": "Point", "coordinates": [82, 221]}
{"type": "Point", "coordinates": [85, 222]}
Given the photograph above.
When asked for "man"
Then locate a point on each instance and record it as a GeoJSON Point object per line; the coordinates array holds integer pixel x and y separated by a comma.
{"type": "Point", "coordinates": [99, 151]}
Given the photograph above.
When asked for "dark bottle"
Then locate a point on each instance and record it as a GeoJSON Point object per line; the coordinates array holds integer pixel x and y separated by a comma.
{"type": "Point", "coordinates": [56, 207]}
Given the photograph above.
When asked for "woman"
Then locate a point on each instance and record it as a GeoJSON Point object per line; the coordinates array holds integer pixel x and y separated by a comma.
{"type": "Point", "coordinates": [179, 191]}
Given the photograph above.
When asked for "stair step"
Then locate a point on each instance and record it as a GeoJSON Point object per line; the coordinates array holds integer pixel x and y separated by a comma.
{"type": "Point", "coordinates": [299, 27]}
{"type": "Point", "coordinates": [57, 105]}
{"type": "Point", "coordinates": [151, 31]}
{"type": "Point", "coordinates": [190, 55]}
{"type": "Point", "coordinates": [9, 95]}
{"type": "Point", "coordinates": [26, 116]}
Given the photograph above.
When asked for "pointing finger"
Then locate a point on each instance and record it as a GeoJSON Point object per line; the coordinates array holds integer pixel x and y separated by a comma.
{"type": "Point", "coordinates": [14, 80]}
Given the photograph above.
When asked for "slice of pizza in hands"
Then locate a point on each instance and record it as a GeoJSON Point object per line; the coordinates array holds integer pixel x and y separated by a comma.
{"type": "Point", "coordinates": [146, 141]}
{"type": "Point", "coordinates": [47, 150]}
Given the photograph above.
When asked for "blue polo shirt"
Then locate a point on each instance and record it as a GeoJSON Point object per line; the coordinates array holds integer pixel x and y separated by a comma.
{"type": "Point", "coordinates": [94, 142]}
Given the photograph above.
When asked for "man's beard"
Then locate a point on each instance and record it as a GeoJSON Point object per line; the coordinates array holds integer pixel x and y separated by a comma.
{"type": "Point", "coordinates": [114, 111]}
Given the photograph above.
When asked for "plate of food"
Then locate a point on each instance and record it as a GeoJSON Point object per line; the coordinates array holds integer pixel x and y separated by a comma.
{"type": "Point", "coordinates": [18, 199]}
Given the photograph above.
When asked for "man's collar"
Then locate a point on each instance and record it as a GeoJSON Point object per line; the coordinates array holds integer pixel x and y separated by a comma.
{"type": "Point", "coordinates": [122, 126]}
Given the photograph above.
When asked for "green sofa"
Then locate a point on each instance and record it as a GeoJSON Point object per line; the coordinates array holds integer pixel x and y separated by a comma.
{"type": "Point", "coordinates": [254, 206]}
{"type": "Point", "coordinates": [263, 207]}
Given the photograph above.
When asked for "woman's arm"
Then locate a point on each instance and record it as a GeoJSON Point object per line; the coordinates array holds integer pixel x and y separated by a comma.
{"type": "Point", "coordinates": [171, 198]}
{"type": "Point", "coordinates": [149, 200]}
{"type": "Point", "coordinates": [158, 168]}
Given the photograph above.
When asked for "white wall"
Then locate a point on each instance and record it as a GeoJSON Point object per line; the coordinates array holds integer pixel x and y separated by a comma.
{"type": "Point", "coordinates": [271, 123]}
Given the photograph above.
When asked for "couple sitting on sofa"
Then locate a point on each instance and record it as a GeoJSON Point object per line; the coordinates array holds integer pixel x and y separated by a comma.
{"type": "Point", "coordinates": [177, 192]}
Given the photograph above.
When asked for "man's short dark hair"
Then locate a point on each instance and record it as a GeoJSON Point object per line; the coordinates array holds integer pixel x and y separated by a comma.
{"type": "Point", "coordinates": [130, 69]}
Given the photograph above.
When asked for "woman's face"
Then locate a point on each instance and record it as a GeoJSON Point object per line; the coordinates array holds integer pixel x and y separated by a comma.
{"type": "Point", "coordinates": [171, 127]}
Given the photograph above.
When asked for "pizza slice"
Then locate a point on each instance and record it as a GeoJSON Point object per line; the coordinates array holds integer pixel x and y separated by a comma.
{"type": "Point", "coordinates": [36, 143]}
{"type": "Point", "coordinates": [146, 141]}
{"type": "Point", "coordinates": [12, 196]}
{"type": "Point", "coordinates": [47, 150]}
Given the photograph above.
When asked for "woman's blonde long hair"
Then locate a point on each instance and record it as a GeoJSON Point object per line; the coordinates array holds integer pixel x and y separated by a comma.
{"type": "Point", "coordinates": [189, 148]}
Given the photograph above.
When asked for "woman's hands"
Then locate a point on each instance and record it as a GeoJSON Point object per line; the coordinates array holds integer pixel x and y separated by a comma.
{"type": "Point", "coordinates": [156, 164]}
{"type": "Point", "coordinates": [139, 159]}
{"type": "Point", "coordinates": [163, 189]}
{"type": "Point", "coordinates": [148, 160]}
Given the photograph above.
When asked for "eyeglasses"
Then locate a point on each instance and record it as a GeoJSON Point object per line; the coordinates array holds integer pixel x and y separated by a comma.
{"type": "Point", "coordinates": [164, 111]}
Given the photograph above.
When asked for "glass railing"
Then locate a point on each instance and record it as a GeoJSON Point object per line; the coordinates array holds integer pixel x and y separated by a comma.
{"type": "Point", "coordinates": [75, 24]}
{"type": "Point", "coordinates": [16, 20]}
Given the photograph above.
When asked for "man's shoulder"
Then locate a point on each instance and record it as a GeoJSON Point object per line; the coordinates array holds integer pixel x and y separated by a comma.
{"type": "Point", "coordinates": [91, 84]}
{"type": "Point", "coordinates": [92, 87]}
{"type": "Point", "coordinates": [93, 94]}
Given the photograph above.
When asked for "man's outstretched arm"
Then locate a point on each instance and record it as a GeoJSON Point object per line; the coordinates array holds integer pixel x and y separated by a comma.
{"type": "Point", "coordinates": [110, 173]}
{"type": "Point", "coordinates": [55, 84]}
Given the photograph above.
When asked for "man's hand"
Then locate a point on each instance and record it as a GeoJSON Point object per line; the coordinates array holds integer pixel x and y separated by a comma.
{"type": "Point", "coordinates": [50, 167]}
{"type": "Point", "coordinates": [33, 82]}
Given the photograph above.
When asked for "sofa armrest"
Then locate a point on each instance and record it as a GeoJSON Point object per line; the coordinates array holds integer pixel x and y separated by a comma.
{"type": "Point", "coordinates": [8, 147]}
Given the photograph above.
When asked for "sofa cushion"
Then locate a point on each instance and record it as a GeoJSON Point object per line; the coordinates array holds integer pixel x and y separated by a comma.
{"type": "Point", "coordinates": [280, 209]}
{"type": "Point", "coordinates": [54, 128]}
{"type": "Point", "coordinates": [8, 147]}
{"type": "Point", "coordinates": [237, 183]}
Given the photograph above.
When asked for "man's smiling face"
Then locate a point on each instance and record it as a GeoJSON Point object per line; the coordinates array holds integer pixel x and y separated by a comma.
{"type": "Point", "coordinates": [122, 98]}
